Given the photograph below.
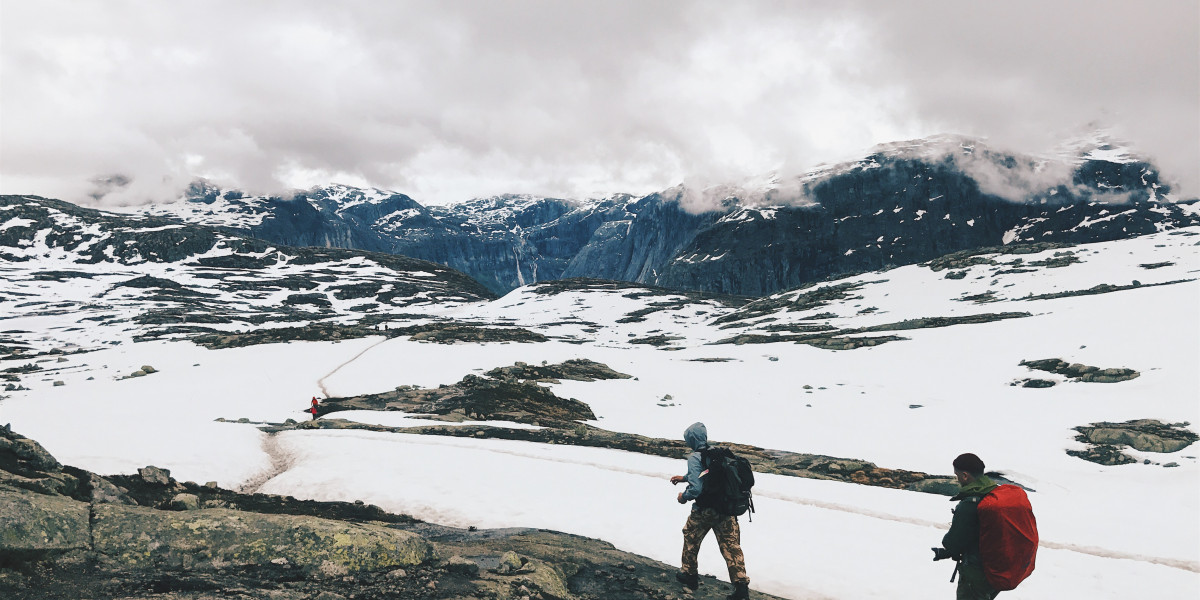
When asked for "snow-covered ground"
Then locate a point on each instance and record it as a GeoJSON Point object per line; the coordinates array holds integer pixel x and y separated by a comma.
{"type": "Point", "coordinates": [1128, 531]}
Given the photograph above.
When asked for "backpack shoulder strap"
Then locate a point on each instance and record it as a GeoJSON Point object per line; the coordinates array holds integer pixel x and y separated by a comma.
{"type": "Point", "coordinates": [710, 455]}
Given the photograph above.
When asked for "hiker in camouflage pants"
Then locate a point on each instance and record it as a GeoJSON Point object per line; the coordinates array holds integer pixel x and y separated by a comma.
{"type": "Point", "coordinates": [729, 540]}
{"type": "Point", "coordinates": [704, 518]}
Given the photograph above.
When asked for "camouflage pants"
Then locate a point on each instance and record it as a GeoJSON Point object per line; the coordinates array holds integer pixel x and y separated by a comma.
{"type": "Point", "coordinates": [973, 585]}
{"type": "Point", "coordinates": [729, 540]}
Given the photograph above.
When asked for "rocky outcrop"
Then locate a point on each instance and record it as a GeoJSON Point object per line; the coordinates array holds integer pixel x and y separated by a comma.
{"type": "Point", "coordinates": [827, 336]}
{"type": "Point", "coordinates": [936, 322]}
{"type": "Point", "coordinates": [576, 369]}
{"type": "Point", "coordinates": [1107, 440]}
{"type": "Point", "coordinates": [143, 538]}
{"type": "Point", "coordinates": [1081, 372]}
{"type": "Point", "coordinates": [39, 526]}
{"type": "Point", "coordinates": [828, 341]}
{"type": "Point", "coordinates": [1103, 288]}
{"type": "Point", "coordinates": [55, 546]}
{"type": "Point", "coordinates": [809, 297]}
{"type": "Point", "coordinates": [442, 332]}
{"type": "Point", "coordinates": [20, 455]}
{"type": "Point", "coordinates": [513, 394]}
{"type": "Point", "coordinates": [47, 510]}
{"type": "Point", "coordinates": [309, 332]}
{"type": "Point", "coordinates": [473, 397]}
{"type": "Point", "coordinates": [1034, 383]}
{"type": "Point", "coordinates": [1146, 435]}
{"type": "Point", "coordinates": [450, 333]}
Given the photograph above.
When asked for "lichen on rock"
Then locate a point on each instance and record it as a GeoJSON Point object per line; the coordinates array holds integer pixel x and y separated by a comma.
{"type": "Point", "coordinates": [35, 526]}
{"type": "Point", "coordinates": [137, 537]}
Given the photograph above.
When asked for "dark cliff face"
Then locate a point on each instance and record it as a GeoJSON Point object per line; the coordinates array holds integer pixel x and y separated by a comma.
{"type": "Point", "coordinates": [907, 203]}
{"type": "Point", "coordinates": [638, 246]}
{"type": "Point", "coordinates": [489, 239]}
{"type": "Point", "coordinates": [298, 223]}
{"type": "Point", "coordinates": [334, 217]}
{"type": "Point", "coordinates": [906, 211]}
{"type": "Point", "coordinates": [511, 241]}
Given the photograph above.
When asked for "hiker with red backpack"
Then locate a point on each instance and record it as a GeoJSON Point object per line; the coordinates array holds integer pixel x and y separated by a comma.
{"type": "Point", "coordinates": [993, 536]}
{"type": "Point", "coordinates": [313, 408]}
{"type": "Point", "coordinates": [719, 497]}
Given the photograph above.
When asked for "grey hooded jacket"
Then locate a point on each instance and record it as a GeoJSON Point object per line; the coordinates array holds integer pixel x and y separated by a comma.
{"type": "Point", "coordinates": [696, 437]}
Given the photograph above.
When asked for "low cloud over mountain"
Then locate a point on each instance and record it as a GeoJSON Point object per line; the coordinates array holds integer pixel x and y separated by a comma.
{"type": "Point", "coordinates": [571, 100]}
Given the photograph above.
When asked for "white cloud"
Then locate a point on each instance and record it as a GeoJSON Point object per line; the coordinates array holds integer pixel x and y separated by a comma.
{"type": "Point", "coordinates": [444, 101]}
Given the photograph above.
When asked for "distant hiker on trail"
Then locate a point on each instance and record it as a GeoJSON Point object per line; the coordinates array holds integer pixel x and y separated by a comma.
{"type": "Point", "coordinates": [993, 535]}
{"type": "Point", "coordinates": [705, 516]}
{"type": "Point", "coordinates": [313, 408]}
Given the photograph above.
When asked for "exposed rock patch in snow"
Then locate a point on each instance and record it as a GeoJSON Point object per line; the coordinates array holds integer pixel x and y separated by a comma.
{"type": "Point", "coordinates": [1106, 441]}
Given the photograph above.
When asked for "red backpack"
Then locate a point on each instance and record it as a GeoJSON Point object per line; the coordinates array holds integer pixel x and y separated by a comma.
{"type": "Point", "coordinates": [1008, 537]}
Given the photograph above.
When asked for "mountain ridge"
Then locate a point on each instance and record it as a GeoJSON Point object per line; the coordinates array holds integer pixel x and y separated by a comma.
{"type": "Point", "coordinates": [902, 203]}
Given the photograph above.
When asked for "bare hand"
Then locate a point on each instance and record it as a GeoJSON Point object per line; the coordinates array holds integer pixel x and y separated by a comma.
{"type": "Point", "coordinates": [678, 479]}
{"type": "Point", "coordinates": [679, 498]}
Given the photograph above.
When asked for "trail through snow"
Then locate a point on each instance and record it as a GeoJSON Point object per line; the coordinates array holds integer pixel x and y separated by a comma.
{"type": "Point", "coordinates": [281, 461]}
{"type": "Point", "coordinates": [321, 381]}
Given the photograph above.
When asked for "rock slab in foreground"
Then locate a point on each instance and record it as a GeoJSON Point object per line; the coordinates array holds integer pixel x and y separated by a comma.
{"type": "Point", "coordinates": [132, 547]}
{"type": "Point", "coordinates": [34, 526]}
{"type": "Point", "coordinates": [217, 537]}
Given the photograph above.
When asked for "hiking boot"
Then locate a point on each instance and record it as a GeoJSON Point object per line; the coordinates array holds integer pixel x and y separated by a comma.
{"type": "Point", "coordinates": [690, 582]}
{"type": "Point", "coordinates": [741, 591]}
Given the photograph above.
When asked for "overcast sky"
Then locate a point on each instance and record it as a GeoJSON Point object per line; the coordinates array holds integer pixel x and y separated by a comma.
{"type": "Point", "coordinates": [450, 100]}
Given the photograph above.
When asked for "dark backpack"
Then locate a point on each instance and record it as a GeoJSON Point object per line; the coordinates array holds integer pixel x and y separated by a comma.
{"type": "Point", "coordinates": [727, 482]}
{"type": "Point", "coordinates": [1008, 536]}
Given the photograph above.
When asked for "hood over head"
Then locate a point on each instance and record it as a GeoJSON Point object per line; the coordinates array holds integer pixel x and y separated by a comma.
{"type": "Point", "coordinates": [696, 436]}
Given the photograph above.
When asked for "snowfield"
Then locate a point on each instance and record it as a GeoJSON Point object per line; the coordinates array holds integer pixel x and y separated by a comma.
{"type": "Point", "coordinates": [1108, 532]}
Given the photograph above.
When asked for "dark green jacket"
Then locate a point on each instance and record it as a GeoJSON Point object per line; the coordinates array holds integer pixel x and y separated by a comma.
{"type": "Point", "coordinates": [963, 537]}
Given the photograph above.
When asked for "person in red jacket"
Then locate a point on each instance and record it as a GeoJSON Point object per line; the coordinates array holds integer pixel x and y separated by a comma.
{"type": "Point", "coordinates": [962, 541]}
{"type": "Point", "coordinates": [313, 408]}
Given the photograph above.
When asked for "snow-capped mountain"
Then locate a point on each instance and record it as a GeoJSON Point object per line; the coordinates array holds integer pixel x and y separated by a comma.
{"type": "Point", "coordinates": [903, 203]}
{"type": "Point", "coordinates": [503, 242]}
{"type": "Point", "coordinates": [912, 201]}
{"type": "Point", "coordinates": [147, 277]}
